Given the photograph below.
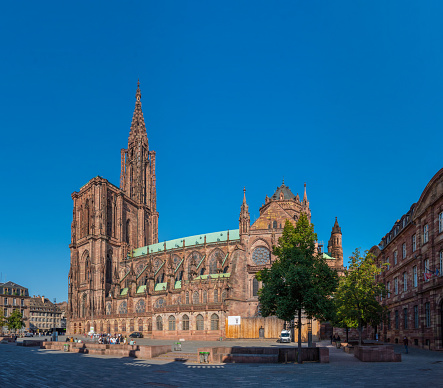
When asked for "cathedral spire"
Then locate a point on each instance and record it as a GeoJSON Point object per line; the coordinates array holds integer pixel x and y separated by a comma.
{"type": "Point", "coordinates": [305, 197]}
{"type": "Point", "coordinates": [138, 122]}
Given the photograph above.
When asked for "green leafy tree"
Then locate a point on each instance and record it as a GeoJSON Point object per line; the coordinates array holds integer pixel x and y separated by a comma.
{"type": "Point", "coordinates": [300, 280]}
{"type": "Point", "coordinates": [15, 320]}
{"type": "Point", "coordinates": [356, 297]}
{"type": "Point", "coordinates": [2, 320]}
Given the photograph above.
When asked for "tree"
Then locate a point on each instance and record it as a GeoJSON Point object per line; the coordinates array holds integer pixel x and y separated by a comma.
{"type": "Point", "coordinates": [15, 320]}
{"type": "Point", "coordinates": [2, 320]}
{"type": "Point", "coordinates": [356, 298]}
{"type": "Point", "coordinates": [299, 280]}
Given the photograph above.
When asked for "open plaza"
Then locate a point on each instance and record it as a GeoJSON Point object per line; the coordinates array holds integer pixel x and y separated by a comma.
{"type": "Point", "coordinates": [34, 367]}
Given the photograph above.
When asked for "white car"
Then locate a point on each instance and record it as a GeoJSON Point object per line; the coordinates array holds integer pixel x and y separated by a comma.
{"type": "Point", "coordinates": [285, 336]}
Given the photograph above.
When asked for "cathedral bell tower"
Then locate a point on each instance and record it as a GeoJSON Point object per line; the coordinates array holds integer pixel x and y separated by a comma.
{"type": "Point", "coordinates": [137, 177]}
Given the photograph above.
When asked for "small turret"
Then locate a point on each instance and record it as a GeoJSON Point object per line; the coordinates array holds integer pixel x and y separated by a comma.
{"type": "Point", "coordinates": [335, 249]}
{"type": "Point", "coordinates": [245, 219]}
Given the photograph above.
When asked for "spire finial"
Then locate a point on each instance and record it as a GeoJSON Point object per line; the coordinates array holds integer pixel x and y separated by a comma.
{"type": "Point", "coordinates": [138, 94]}
{"type": "Point", "coordinates": [305, 197]}
{"type": "Point", "coordinates": [283, 180]}
{"type": "Point", "coordinates": [244, 194]}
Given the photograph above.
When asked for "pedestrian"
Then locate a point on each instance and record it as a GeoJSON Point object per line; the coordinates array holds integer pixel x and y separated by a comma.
{"type": "Point", "coordinates": [406, 343]}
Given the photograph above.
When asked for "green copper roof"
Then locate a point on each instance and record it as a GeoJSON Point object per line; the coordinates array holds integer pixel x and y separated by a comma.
{"type": "Point", "coordinates": [141, 289]}
{"type": "Point", "coordinates": [189, 242]}
{"type": "Point", "coordinates": [213, 276]}
{"type": "Point", "coordinates": [178, 284]}
{"type": "Point", "coordinates": [160, 287]}
{"type": "Point", "coordinates": [327, 257]}
{"type": "Point", "coordinates": [124, 291]}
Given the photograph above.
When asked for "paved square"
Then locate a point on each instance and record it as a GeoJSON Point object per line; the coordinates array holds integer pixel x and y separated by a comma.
{"type": "Point", "coordinates": [33, 367]}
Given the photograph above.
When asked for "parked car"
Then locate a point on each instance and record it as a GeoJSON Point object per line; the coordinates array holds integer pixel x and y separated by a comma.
{"type": "Point", "coordinates": [29, 335]}
{"type": "Point", "coordinates": [285, 336]}
{"type": "Point", "coordinates": [136, 334]}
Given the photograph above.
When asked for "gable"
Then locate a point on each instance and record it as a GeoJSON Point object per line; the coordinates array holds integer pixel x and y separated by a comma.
{"type": "Point", "coordinates": [273, 213]}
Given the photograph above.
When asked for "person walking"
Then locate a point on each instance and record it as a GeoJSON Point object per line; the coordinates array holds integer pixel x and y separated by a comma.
{"type": "Point", "coordinates": [406, 343]}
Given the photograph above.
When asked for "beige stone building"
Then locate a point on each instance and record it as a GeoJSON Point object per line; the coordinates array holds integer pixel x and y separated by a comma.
{"type": "Point", "coordinates": [44, 315]}
{"type": "Point", "coordinates": [122, 279]}
{"type": "Point", "coordinates": [13, 297]}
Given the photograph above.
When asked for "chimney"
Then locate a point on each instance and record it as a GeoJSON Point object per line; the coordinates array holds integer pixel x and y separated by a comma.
{"type": "Point", "coordinates": [43, 299]}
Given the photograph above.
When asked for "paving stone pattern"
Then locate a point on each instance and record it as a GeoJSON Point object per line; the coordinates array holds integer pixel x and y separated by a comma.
{"type": "Point", "coordinates": [33, 367]}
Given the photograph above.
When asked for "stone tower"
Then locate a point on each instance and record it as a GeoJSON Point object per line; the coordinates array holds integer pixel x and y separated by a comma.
{"type": "Point", "coordinates": [109, 222]}
{"type": "Point", "coordinates": [335, 245]}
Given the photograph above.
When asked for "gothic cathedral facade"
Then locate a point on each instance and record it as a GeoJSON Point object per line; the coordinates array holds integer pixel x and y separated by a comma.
{"type": "Point", "coordinates": [121, 279]}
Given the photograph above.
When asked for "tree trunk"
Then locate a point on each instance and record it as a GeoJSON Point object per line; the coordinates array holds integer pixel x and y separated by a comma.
{"type": "Point", "coordinates": [347, 334]}
{"type": "Point", "coordinates": [299, 337]}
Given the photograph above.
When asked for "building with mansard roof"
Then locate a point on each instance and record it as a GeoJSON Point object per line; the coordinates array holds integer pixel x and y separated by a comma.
{"type": "Point", "coordinates": [122, 279]}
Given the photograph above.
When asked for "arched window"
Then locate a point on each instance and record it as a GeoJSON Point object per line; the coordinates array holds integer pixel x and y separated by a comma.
{"type": "Point", "coordinates": [115, 326]}
{"type": "Point", "coordinates": [216, 256]}
{"type": "Point", "coordinates": [214, 322]}
{"type": "Point", "coordinates": [123, 308]}
{"type": "Point", "coordinates": [202, 271]}
{"type": "Point", "coordinates": [274, 224]}
{"type": "Point", "coordinates": [171, 323]}
{"type": "Point", "coordinates": [187, 298]}
{"type": "Point", "coordinates": [226, 269]}
{"type": "Point", "coordinates": [108, 308]}
{"type": "Point", "coordinates": [200, 322]}
{"type": "Point", "coordinates": [160, 278]}
{"type": "Point", "coordinates": [83, 306]}
{"type": "Point", "coordinates": [131, 325]}
{"type": "Point", "coordinates": [215, 296]}
{"type": "Point", "coordinates": [108, 268]}
{"type": "Point", "coordinates": [149, 325]}
{"type": "Point", "coordinates": [87, 268]}
{"type": "Point", "coordinates": [261, 256]}
{"type": "Point", "coordinates": [108, 327]}
{"type": "Point", "coordinates": [123, 325]}
{"type": "Point", "coordinates": [159, 323]}
{"type": "Point", "coordinates": [254, 287]}
{"type": "Point", "coordinates": [193, 261]}
{"type": "Point", "coordinates": [101, 326]}
{"type": "Point", "coordinates": [140, 325]}
{"type": "Point", "coordinates": [205, 297]}
{"type": "Point", "coordinates": [185, 322]}
{"type": "Point", "coordinates": [140, 306]}
{"type": "Point", "coordinates": [128, 231]}
{"type": "Point", "coordinates": [75, 328]}
{"type": "Point", "coordinates": [195, 297]}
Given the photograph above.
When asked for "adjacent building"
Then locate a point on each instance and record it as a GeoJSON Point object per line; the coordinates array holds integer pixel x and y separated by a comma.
{"type": "Point", "coordinates": [413, 254]}
{"type": "Point", "coordinates": [122, 279]}
{"type": "Point", "coordinates": [44, 315]}
{"type": "Point", "coordinates": [15, 297]}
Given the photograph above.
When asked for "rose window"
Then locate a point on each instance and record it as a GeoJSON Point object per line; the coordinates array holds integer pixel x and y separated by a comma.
{"type": "Point", "coordinates": [261, 256]}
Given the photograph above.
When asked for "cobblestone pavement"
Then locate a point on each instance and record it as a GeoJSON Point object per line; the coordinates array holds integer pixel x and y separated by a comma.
{"type": "Point", "coordinates": [32, 367]}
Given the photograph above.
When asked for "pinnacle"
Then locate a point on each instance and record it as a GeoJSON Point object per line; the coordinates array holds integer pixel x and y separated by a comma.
{"type": "Point", "coordinates": [138, 121]}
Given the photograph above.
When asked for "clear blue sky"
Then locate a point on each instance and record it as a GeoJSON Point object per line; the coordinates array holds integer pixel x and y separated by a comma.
{"type": "Point", "coordinates": [346, 96]}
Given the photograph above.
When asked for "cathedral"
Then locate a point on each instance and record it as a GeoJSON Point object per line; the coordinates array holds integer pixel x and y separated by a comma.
{"type": "Point", "coordinates": [121, 279]}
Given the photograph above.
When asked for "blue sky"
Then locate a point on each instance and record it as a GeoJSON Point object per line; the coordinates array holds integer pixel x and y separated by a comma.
{"type": "Point", "coordinates": [346, 96]}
